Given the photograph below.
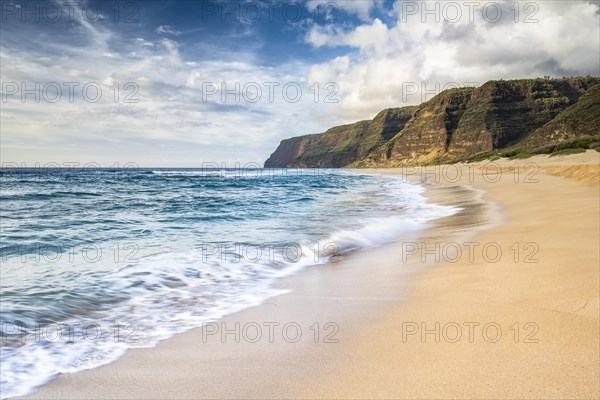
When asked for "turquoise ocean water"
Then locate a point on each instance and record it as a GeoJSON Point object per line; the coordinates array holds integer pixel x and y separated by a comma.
{"type": "Point", "coordinates": [96, 261]}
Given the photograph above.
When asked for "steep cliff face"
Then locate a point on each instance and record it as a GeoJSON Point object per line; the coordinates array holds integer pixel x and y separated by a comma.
{"type": "Point", "coordinates": [341, 145]}
{"type": "Point", "coordinates": [580, 120]}
{"type": "Point", "coordinates": [524, 114]}
{"type": "Point", "coordinates": [501, 113]}
{"type": "Point", "coordinates": [429, 132]}
{"type": "Point", "coordinates": [288, 150]}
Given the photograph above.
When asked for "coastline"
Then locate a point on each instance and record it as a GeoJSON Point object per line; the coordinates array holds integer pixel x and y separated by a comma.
{"type": "Point", "coordinates": [370, 306]}
{"type": "Point", "coordinates": [556, 355]}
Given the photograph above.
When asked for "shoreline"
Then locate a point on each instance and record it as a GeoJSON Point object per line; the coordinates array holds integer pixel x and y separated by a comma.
{"type": "Point", "coordinates": [369, 311]}
{"type": "Point", "coordinates": [548, 310]}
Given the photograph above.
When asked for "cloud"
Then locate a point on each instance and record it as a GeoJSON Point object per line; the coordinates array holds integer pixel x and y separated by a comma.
{"type": "Point", "coordinates": [144, 42]}
{"type": "Point", "coordinates": [384, 59]}
{"type": "Point", "coordinates": [167, 30]}
{"type": "Point", "coordinates": [151, 100]}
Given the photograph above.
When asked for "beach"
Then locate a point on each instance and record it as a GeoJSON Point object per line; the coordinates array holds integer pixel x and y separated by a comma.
{"type": "Point", "coordinates": [514, 313]}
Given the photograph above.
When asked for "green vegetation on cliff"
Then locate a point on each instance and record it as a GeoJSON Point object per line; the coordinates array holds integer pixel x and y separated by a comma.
{"type": "Point", "coordinates": [578, 121]}
{"type": "Point", "coordinates": [499, 118]}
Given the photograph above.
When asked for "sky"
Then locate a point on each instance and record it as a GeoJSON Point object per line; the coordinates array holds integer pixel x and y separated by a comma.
{"type": "Point", "coordinates": [194, 83]}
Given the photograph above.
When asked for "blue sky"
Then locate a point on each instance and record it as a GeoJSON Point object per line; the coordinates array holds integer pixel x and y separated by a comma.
{"type": "Point", "coordinates": [168, 62]}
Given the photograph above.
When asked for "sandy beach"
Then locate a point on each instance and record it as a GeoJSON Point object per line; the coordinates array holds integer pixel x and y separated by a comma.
{"type": "Point", "coordinates": [506, 307]}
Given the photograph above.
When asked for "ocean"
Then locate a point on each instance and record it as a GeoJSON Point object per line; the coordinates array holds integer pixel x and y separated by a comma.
{"type": "Point", "coordinates": [97, 261]}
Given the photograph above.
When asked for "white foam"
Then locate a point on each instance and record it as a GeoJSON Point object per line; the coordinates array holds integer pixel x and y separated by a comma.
{"type": "Point", "coordinates": [174, 292]}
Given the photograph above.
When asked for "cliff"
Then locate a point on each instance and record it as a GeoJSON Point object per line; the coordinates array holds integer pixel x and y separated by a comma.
{"type": "Point", "coordinates": [578, 121]}
{"type": "Point", "coordinates": [428, 135]}
{"type": "Point", "coordinates": [502, 113]}
{"type": "Point", "coordinates": [523, 114]}
{"type": "Point", "coordinates": [341, 145]}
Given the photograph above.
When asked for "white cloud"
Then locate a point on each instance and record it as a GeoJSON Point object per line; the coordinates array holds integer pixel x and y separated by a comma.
{"type": "Point", "coordinates": [170, 112]}
{"type": "Point", "coordinates": [167, 30]}
{"type": "Point", "coordinates": [144, 42]}
{"type": "Point", "coordinates": [416, 48]}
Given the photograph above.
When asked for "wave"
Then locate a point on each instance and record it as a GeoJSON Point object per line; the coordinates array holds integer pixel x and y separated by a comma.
{"type": "Point", "coordinates": [172, 292]}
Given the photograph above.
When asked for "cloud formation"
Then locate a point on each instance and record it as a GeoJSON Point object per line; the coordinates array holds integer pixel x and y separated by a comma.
{"type": "Point", "coordinates": [437, 44]}
{"type": "Point", "coordinates": [152, 109]}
